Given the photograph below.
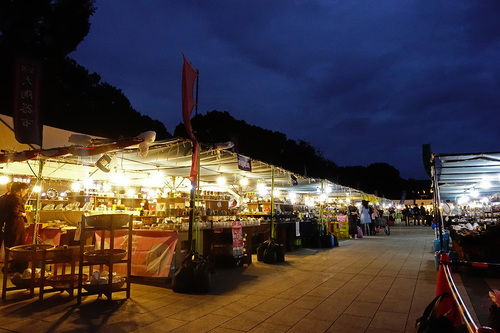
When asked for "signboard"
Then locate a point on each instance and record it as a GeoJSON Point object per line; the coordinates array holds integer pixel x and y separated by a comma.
{"type": "Point", "coordinates": [237, 238]}
{"type": "Point", "coordinates": [27, 106]}
{"type": "Point", "coordinates": [244, 163]}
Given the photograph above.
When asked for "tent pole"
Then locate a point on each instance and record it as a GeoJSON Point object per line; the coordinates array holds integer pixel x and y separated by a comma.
{"type": "Point", "coordinates": [38, 198]}
{"type": "Point", "coordinates": [321, 206]}
{"type": "Point", "coordinates": [197, 197]}
{"type": "Point", "coordinates": [191, 212]}
{"type": "Point", "coordinates": [437, 200]}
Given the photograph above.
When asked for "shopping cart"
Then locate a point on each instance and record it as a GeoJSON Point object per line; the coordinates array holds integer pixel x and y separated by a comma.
{"type": "Point", "coordinates": [381, 223]}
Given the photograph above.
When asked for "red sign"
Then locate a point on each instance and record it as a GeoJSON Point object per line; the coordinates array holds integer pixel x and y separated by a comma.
{"type": "Point", "coordinates": [152, 251]}
{"type": "Point", "coordinates": [27, 85]}
{"type": "Point", "coordinates": [237, 238]}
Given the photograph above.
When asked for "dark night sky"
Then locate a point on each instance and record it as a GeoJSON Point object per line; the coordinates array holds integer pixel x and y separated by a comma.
{"type": "Point", "coordinates": [362, 81]}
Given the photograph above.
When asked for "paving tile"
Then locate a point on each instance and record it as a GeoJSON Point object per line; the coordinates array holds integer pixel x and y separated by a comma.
{"type": "Point", "coordinates": [288, 316]}
{"type": "Point", "coordinates": [272, 305]}
{"type": "Point", "coordinates": [307, 302]}
{"type": "Point", "coordinates": [329, 310]}
{"type": "Point", "coordinates": [389, 321]}
{"type": "Point", "coordinates": [246, 321]}
{"type": "Point", "coordinates": [372, 295]}
{"type": "Point", "coordinates": [164, 325]}
{"type": "Point", "coordinates": [381, 330]}
{"type": "Point", "coordinates": [396, 305]}
{"type": "Point", "coordinates": [310, 326]}
{"type": "Point", "coordinates": [193, 313]}
{"type": "Point", "coordinates": [269, 327]}
{"type": "Point", "coordinates": [322, 291]}
{"type": "Point", "coordinates": [350, 323]}
{"type": "Point", "coordinates": [362, 309]}
{"type": "Point", "coordinates": [234, 309]}
{"type": "Point", "coordinates": [221, 329]}
{"type": "Point", "coordinates": [203, 324]}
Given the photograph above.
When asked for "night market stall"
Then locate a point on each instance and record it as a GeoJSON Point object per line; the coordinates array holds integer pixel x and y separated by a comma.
{"type": "Point", "coordinates": [240, 203]}
{"type": "Point", "coordinates": [468, 196]}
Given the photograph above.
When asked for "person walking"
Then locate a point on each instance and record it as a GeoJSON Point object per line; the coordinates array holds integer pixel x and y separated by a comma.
{"type": "Point", "coordinates": [352, 219]}
{"type": "Point", "coordinates": [365, 218]}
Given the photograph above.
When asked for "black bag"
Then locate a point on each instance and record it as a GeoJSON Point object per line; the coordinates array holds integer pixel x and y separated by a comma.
{"type": "Point", "coordinates": [272, 252]}
{"type": "Point", "coordinates": [315, 239]}
{"type": "Point", "coordinates": [260, 250]}
{"type": "Point", "coordinates": [431, 323]}
{"type": "Point", "coordinates": [280, 252]}
{"type": "Point", "coordinates": [193, 275]}
{"type": "Point", "coordinates": [327, 241]}
{"type": "Point", "coordinates": [270, 256]}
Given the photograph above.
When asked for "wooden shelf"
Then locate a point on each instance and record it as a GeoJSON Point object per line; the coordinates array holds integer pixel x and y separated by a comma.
{"type": "Point", "coordinates": [109, 288]}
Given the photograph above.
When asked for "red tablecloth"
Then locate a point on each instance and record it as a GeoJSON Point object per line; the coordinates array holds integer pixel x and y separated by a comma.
{"type": "Point", "coordinates": [152, 251]}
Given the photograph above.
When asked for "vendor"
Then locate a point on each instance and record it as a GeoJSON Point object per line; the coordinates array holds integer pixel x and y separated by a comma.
{"type": "Point", "coordinates": [2, 212]}
{"type": "Point", "coordinates": [15, 216]}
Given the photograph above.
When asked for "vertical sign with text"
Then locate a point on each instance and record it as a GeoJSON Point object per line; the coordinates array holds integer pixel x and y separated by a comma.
{"type": "Point", "coordinates": [27, 101]}
{"type": "Point", "coordinates": [237, 238]}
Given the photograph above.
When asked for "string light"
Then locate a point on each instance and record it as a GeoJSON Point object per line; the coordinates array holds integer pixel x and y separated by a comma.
{"type": "Point", "coordinates": [221, 181]}
{"type": "Point", "coordinates": [4, 179]}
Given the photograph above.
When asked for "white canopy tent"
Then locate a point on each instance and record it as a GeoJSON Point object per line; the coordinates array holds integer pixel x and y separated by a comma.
{"type": "Point", "coordinates": [167, 164]}
{"type": "Point", "coordinates": [472, 175]}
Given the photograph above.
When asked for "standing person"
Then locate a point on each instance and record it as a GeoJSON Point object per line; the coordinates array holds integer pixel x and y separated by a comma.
{"type": "Point", "coordinates": [2, 212]}
{"type": "Point", "coordinates": [416, 215]}
{"type": "Point", "coordinates": [423, 214]}
{"type": "Point", "coordinates": [406, 214]}
{"type": "Point", "coordinates": [375, 213]}
{"type": "Point", "coordinates": [15, 215]}
{"type": "Point", "coordinates": [352, 219]}
{"type": "Point", "coordinates": [365, 218]}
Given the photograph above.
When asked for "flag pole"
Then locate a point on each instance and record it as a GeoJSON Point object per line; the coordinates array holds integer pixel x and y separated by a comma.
{"type": "Point", "coordinates": [273, 231]}
{"type": "Point", "coordinates": [197, 85]}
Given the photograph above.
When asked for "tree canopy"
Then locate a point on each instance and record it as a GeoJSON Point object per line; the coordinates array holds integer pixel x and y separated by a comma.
{"type": "Point", "coordinates": [300, 157]}
{"type": "Point", "coordinates": [72, 98]}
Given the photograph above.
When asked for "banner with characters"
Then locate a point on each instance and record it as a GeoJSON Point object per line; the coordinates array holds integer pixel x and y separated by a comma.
{"type": "Point", "coordinates": [152, 251]}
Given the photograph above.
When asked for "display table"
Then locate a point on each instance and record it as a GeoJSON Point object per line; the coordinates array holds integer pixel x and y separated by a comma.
{"type": "Point", "coordinates": [71, 217]}
{"type": "Point", "coordinates": [483, 246]}
{"type": "Point", "coordinates": [152, 250]}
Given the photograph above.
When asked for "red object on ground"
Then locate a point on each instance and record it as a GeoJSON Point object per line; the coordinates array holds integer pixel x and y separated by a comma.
{"type": "Point", "coordinates": [442, 283]}
{"type": "Point", "coordinates": [442, 286]}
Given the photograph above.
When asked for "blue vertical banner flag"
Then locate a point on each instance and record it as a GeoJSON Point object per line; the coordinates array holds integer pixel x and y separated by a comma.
{"type": "Point", "coordinates": [403, 198]}
{"type": "Point", "coordinates": [244, 163]}
{"type": "Point", "coordinates": [294, 180]}
{"type": "Point", "coordinates": [28, 125]}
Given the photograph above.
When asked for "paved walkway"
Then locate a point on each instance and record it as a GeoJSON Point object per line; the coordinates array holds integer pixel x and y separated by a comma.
{"type": "Point", "coordinates": [376, 284]}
